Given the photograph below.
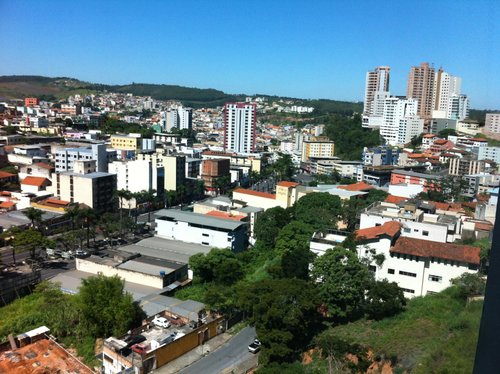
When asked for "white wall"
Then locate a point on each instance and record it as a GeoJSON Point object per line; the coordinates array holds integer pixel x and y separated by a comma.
{"type": "Point", "coordinates": [257, 201]}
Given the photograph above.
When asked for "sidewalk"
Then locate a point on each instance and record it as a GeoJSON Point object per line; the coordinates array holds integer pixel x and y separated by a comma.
{"type": "Point", "coordinates": [194, 355]}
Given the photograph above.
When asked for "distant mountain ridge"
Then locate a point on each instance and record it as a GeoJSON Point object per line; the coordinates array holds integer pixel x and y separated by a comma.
{"type": "Point", "coordinates": [58, 88]}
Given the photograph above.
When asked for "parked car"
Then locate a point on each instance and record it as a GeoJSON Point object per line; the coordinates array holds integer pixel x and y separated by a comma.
{"type": "Point", "coordinates": [161, 322]}
{"type": "Point", "coordinates": [140, 348]}
{"type": "Point", "coordinates": [81, 254]}
{"type": "Point", "coordinates": [254, 347]}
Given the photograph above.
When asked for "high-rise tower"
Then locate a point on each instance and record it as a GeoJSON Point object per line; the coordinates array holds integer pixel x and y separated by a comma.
{"type": "Point", "coordinates": [239, 127]}
{"type": "Point", "coordinates": [376, 81]}
{"type": "Point", "coordinates": [421, 82]}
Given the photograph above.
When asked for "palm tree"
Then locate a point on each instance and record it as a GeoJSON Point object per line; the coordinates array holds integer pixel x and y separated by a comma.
{"type": "Point", "coordinates": [34, 215]}
{"type": "Point", "coordinates": [72, 213]}
{"type": "Point", "coordinates": [123, 195]}
{"type": "Point", "coordinates": [149, 198]}
{"type": "Point", "coordinates": [199, 188]}
{"type": "Point", "coordinates": [87, 217]}
{"type": "Point", "coordinates": [181, 192]}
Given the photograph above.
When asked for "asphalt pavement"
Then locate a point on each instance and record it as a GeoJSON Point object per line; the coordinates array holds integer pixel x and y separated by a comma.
{"type": "Point", "coordinates": [231, 354]}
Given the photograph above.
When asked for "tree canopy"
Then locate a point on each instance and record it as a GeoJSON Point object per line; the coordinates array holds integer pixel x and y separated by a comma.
{"type": "Point", "coordinates": [269, 224]}
{"type": "Point", "coordinates": [319, 209]}
{"type": "Point", "coordinates": [219, 266]}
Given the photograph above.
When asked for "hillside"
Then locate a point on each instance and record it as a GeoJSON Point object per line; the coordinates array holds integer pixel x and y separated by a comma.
{"type": "Point", "coordinates": [436, 333]}
{"type": "Point", "coordinates": [18, 87]}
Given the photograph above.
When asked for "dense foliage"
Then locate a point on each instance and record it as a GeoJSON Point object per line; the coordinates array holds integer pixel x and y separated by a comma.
{"type": "Point", "coordinates": [349, 136]}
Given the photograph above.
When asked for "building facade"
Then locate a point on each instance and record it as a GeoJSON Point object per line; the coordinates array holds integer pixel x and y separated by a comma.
{"type": "Point", "coordinates": [421, 80]}
{"type": "Point", "coordinates": [492, 123]}
{"type": "Point", "coordinates": [240, 121]}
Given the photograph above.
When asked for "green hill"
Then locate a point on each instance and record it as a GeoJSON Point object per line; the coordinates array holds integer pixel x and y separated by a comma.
{"type": "Point", "coordinates": [18, 87]}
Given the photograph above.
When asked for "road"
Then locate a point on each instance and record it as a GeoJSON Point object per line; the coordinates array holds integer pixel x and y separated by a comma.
{"type": "Point", "coordinates": [232, 353]}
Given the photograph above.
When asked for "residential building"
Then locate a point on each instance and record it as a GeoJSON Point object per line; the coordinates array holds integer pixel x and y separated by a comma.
{"type": "Point", "coordinates": [492, 123]}
{"type": "Point", "coordinates": [240, 121]}
{"type": "Point", "coordinates": [458, 107]}
{"type": "Point", "coordinates": [466, 166]}
{"type": "Point", "coordinates": [65, 158]}
{"type": "Point", "coordinates": [419, 267]}
{"type": "Point", "coordinates": [419, 219]}
{"type": "Point", "coordinates": [39, 169]}
{"type": "Point", "coordinates": [138, 175]}
{"type": "Point", "coordinates": [201, 229]}
{"type": "Point", "coordinates": [376, 81]}
{"type": "Point", "coordinates": [421, 80]}
{"type": "Point", "coordinates": [411, 177]}
{"type": "Point", "coordinates": [126, 143]}
{"type": "Point", "coordinates": [344, 168]}
{"type": "Point", "coordinates": [319, 146]}
{"type": "Point", "coordinates": [488, 153]}
{"type": "Point", "coordinates": [96, 190]}
{"type": "Point", "coordinates": [440, 124]}
{"type": "Point", "coordinates": [445, 86]}
{"type": "Point", "coordinates": [177, 117]}
{"type": "Point", "coordinates": [400, 121]}
{"type": "Point", "coordinates": [31, 101]}
{"type": "Point", "coordinates": [214, 169]}
{"type": "Point", "coordinates": [174, 167]}
{"type": "Point", "coordinates": [382, 155]}
{"type": "Point", "coordinates": [34, 184]}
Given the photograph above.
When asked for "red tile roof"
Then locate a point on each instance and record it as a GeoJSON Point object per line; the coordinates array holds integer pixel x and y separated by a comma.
{"type": "Point", "coordinates": [255, 193]}
{"type": "Point", "coordinates": [44, 165]}
{"type": "Point", "coordinates": [440, 141]}
{"type": "Point", "coordinates": [446, 251]}
{"type": "Point", "coordinates": [7, 204]}
{"type": "Point", "coordinates": [359, 186]}
{"type": "Point", "coordinates": [430, 136]}
{"type": "Point", "coordinates": [4, 174]}
{"type": "Point", "coordinates": [483, 226]}
{"type": "Point", "coordinates": [225, 215]}
{"type": "Point", "coordinates": [395, 199]}
{"type": "Point", "coordinates": [35, 181]}
{"type": "Point", "coordinates": [51, 200]}
{"type": "Point", "coordinates": [288, 184]}
{"type": "Point", "coordinates": [391, 229]}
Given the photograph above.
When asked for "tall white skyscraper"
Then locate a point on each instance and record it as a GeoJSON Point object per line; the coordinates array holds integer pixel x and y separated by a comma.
{"type": "Point", "coordinates": [445, 86]}
{"type": "Point", "coordinates": [239, 127]}
{"type": "Point", "coordinates": [376, 90]}
{"type": "Point", "coordinates": [400, 121]}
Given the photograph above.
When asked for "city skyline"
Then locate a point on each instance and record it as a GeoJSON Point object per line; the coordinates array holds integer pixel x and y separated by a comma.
{"type": "Point", "coordinates": [294, 49]}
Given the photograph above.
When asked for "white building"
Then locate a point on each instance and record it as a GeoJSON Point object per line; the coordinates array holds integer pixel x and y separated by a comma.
{"type": "Point", "coordinates": [458, 107]}
{"type": "Point", "coordinates": [419, 267]}
{"type": "Point", "coordinates": [377, 81]}
{"type": "Point", "coordinates": [201, 229]}
{"type": "Point", "coordinates": [138, 175]}
{"type": "Point", "coordinates": [239, 127]}
{"type": "Point", "coordinates": [64, 158]}
{"type": "Point", "coordinates": [445, 86]}
{"type": "Point", "coordinates": [400, 121]}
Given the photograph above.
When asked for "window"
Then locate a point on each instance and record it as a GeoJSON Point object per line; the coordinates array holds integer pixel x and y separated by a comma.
{"type": "Point", "coordinates": [390, 271]}
{"type": "Point", "coordinates": [408, 290]}
{"type": "Point", "coordinates": [372, 268]}
{"type": "Point", "coordinates": [435, 278]}
{"type": "Point", "coordinates": [377, 224]}
{"type": "Point", "coordinates": [204, 234]}
{"type": "Point", "coordinates": [406, 229]}
{"type": "Point", "coordinates": [204, 243]}
{"type": "Point", "coordinates": [408, 274]}
{"type": "Point", "coordinates": [425, 233]}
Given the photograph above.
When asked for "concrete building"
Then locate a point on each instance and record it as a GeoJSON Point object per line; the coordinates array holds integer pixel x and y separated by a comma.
{"type": "Point", "coordinates": [492, 123]}
{"type": "Point", "coordinates": [317, 147]}
{"type": "Point", "coordinates": [421, 81]}
{"type": "Point", "coordinates": [445, 86]}
{"type": "Point", "coordinates": [174, 167]}
{"type": "Point", "coordinates": [65, 158]}
{"type": "Point", "coordinates": [240, 121]}
{"type": "Point", "coordinates": [138, 175]}
{"type": "Point", "coordinates": [380, 156]}
{"type": "Point", "coordinates": [212, 170]}
{"type": "Point", "coordinates": [465, 166]}
{"type": "Point", "coordinates": [96, 190]}
{"type": "Point", "coordinates": [376, 81]}
{"type": "Point", "coordinates": [458, 107]}
{"type": "Point", "coordinates": [177, 117]}
{"type": "Point", "coordinates": [400, 121]}
{"type": "Point", "coordinates": [411, 177]}
{"type": "Point", "coordinates": [488, 153]}
{"type": "Point", "coordinates": [126, 143]}
{"type": "Point", "coordinates": [419, 267]}
{"type": "Point", "coordinates": [201, 229]}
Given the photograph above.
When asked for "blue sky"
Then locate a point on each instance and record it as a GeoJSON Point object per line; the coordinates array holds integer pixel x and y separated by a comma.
{"type": "Point", "coordinates": [308, 49]}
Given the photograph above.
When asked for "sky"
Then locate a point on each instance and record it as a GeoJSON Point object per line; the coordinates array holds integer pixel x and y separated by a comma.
{"type": "Point", "coordinates": [303, 49]}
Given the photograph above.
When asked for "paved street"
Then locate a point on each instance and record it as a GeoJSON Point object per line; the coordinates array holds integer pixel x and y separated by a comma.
{"type": "Point", "coordinates": [234, 352]}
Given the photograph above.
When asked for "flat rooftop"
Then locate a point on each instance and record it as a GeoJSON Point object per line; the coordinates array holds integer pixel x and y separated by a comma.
{"type": "Point", "coordinates": [70, 282]}
{"type": "Point", "coordinates": [199, 219]}
{"type": "Point", "coordinates": [172, 250]}
{"type": "Point", "coordinates": [42, 356]}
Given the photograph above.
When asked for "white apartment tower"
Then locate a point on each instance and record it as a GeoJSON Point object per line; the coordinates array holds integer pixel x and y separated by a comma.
{"type": "Point", "coordinates": [445, 86]}
{"type": "Point", "coordinates": [400, 121]}
{"type": "Point", "coordinates": [376, 81]}
{"type": "Point", "coordinates": [178, 117]}
{"type": "Point", "coordinates": [239, 127]}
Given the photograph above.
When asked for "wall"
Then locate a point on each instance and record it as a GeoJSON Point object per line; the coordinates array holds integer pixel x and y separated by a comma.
{"type": "Point", "coordinates": [257, 201]}
{"type": "Point", "coordinates": [129, 276]}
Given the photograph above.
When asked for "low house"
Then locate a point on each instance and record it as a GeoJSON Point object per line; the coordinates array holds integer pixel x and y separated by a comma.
{"type": "Point", "coordinates": [34, 184]}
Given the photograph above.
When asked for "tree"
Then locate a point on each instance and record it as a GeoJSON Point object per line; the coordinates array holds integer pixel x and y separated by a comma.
{"type": "Point", "coordinates": [30, 240]}
{"type": "Point", "coordinates": [383, 299]}
{"type": "Point", "coordinates": [148, 198]}
{"type": "Point", "coordinates": [342, 281]}
{"type": "Point", "coordinates": [292, 245]}
{"type": "Point", "coordinates": [34, 215]}
{"type": "Point", "coordinates": [319, 209]}
{"type": "Point", "coordinates": [269, 223]}
{"type": "Point", "coordinates": [285, 315]}
{"type": "Point", "coordinates": [219, 266]}
{"type": "Point", "coordinates": [447, 132]}
{"type": "Point", "coordinates": [284, 167]}
{"type": "Point", "coordinates": [123, 195]}
{"type": "Point", "coordinates": [88, 217]}
{"type": "Point", "coordinates": [106, 309]}
{"type": "Point", "coordinates": [470, 284]}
